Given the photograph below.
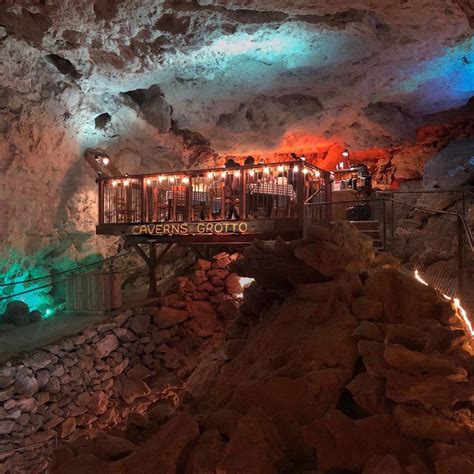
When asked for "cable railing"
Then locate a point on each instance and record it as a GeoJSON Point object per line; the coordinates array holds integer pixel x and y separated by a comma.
{"type": "Point", "coordinates": [53, 275]}
{"type": "Point", "coordinates": [446, 270]}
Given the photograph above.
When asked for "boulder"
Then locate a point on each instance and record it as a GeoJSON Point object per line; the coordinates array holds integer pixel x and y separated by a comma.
{"type": "Point", "coordinates": [133, 389]}
{"type": "Point", "coordinates": [26, 384]}
{"type": "Point", "coordinates": [140, 324]}
{"type": "Point", "coordinates": [166, 317]}
{"type": "Point", "coordinates": [258, 438]}
{"type": "Point", "coordinates": [17, 313]}
{"type": "Point", "coordinates": [106, 345]}
{"type": "Point", "coordinates": [417, 363]}
{"type": "Point", "coordinates": [419, 423]}
{"type": "Point", "coordinates": [405, 300]}
{"type": "Point", "coordinates": [369, 393]}
{"type": "Point", "coordinates": [35, 316]}
{"type": "Point", "coordinates": [97, 404]}
{"type": "Point", "coordinates": [452, 167]}
{"type": "Point", "coordinates": [112, 448]}
{"type": "Point", "coordinates": [165, 451]}
{"type": "Point", "coordinates": [342, 443]}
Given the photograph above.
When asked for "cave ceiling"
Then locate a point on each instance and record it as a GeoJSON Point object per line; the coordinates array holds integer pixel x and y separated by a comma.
{"type": "Point", "coordinates": [248, 75]}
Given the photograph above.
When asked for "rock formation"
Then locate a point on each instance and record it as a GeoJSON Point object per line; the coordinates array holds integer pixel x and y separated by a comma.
{"type": "Point", "coordinates": [115, 370]}
{"type": "Point", "coordinates": [169, 84]}
{"type": "Point", "coordinates": [339, 362]}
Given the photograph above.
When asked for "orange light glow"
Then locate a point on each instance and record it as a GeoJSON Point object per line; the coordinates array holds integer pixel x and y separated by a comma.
{"type": "Point", "coordinates": [455, 303]}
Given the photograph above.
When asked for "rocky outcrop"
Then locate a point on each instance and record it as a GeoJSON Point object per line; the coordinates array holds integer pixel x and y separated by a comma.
{"type": "Point", "coordinates": [361, 369]}
{"type": "Point", "coordinates": [110, 372]}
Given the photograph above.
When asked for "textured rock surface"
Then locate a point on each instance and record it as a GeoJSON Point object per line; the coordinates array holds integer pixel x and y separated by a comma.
{"type": "Point", "coordinates": [110, 373]}
{"type": "Point", "coordinates": [163, 84]}
{"type": "Point", "coordinates": [308, 381]}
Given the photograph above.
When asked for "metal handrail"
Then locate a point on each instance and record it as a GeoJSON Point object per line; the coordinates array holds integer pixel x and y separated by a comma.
{"type": "Point", "coordinates": [313, 195]}
{"type": "Point", "coordinates": [461, 217]}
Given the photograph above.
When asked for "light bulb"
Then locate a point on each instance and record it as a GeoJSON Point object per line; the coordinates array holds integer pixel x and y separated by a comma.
{"type": "Point", "coordinates": [345, 153]}
{"type": "Point", "coordinates": [295, 168]}
{"type": "Point", "coordinates": [281, 169]}
{"type": "Point", "coordinates": [114, 183]}
{"type": "Point", "coordinates": [318, 174]}
{"type": "Point", "coordinates": [251, 172]}
{"type": "Point", "coordinates": [161, 179]}
{"type": "Point", "coordinates": [266, 170]}
{"type": "Point", "coordinates": [341, 165]}
{"type": "Point", "coordinates": [223, 174]}
{"type": "Point", "coordinates": [185, 180]}
{"type": "Point", "coordinates": [148, 181]}
{"type": "Point", "coordinates": [305, 170]}
{"type": "Point", "coordinates": [126, 182]}
{"type": "Point", "coordinates": [237, 173]}
{"type": "Point", "coordinates": [303, 158]}
{"type": "Point", "coordinates": [210, 175]}
{"type": "Point", "coordinates": [105, 161]}
{"type": "Point", "coordinates": [171, 178]}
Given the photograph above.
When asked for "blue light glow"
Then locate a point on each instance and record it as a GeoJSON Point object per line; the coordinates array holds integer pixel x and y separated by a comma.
{"type": "Point", "coordinates": [448, 79]}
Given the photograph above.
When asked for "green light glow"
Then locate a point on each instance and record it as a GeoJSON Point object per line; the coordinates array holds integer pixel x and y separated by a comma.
{"type": "Point", "coordinates": [50, 300]}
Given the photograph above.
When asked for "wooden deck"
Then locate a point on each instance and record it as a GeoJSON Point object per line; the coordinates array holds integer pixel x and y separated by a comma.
{"type": "Point", "coordinates": [219, 205]}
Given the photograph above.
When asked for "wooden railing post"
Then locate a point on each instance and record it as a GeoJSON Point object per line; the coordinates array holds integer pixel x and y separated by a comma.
{"type": "Point", "coordinates": [300, 193]}
{"type": "Point", "coordinates": [143, 200]}
{"type": "Point", "coordinates": [101, 201]}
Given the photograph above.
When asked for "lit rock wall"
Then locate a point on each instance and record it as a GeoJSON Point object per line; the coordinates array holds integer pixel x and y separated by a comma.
{"type": "Point", "coordinates": [167, 84]}
{"type": "Point", "coordinates": [121, 366]}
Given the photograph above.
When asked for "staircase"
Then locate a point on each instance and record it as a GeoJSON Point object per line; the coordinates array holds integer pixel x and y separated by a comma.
{"type": "Point", "coordinates": [372, 229]}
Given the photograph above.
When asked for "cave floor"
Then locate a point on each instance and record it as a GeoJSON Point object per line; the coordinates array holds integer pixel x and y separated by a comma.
{"type": "Point", "coordinates": [47, 331]}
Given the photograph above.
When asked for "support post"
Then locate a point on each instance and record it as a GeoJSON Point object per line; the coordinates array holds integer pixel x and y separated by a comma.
{"type": "Point", "coordinates": [460, 258]}
{"type": "Point", "coordinates": [101, 201]}
{"type": "Point", "coordinates": [152, 290]}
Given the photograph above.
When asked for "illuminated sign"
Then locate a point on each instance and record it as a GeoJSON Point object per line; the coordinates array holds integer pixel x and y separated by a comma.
{"type": "Point", "coordinates": [191, 228]}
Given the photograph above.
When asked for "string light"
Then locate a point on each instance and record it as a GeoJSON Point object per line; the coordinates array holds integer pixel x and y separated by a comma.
{"type": "Point", "coordinates": [210, 175]}
{"type": "Point", "coordinates": [460, 311]}
{"type": "Point", "coordinates": [266, 170]}
{"type": "Point", "coordinates": [171, 178]}
{"type": "Point", "coordinates": [305, 170]}
{"type": "Point", "coordinates": [281, 169]}
{"type": "Point", "coordinates": [251, 172]}
{"type": "Point", "coordinates": [148, 181]}
{"type": "Point", "coordinates": [126, 182]}
{"type": "Point", "coordinates": [161, 179]}
{"type": "Point", "coordinates": [318, 174]}
{"type": "Point", "coordinates": [114, 183]}
{"type": "Point", "coordinates": [223, 174]}
{"type": "Point", "coordinates": [237, 173]}
{"type": "Point", "coordinates": [295, 168]}
{"type": "Point", "coordinates": [185, 180]}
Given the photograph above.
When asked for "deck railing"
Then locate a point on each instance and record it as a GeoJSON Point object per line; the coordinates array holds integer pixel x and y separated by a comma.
{"type": "Point", "coordinates": [264, 191]}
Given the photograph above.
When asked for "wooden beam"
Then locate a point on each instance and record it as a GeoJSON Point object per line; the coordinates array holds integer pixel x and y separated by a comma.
{"type": "Point", "coordinates": [142, 253]}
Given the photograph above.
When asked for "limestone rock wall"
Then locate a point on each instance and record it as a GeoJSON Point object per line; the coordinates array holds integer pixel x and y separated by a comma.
{"type": "Point", "coordinates": [120, 367]}
{"type": "Point", "coordinates": [338, 362]}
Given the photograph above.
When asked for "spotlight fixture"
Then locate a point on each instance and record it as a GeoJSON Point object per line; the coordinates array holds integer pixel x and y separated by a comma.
{"type": "Point", "coordinates": [345, 153]}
